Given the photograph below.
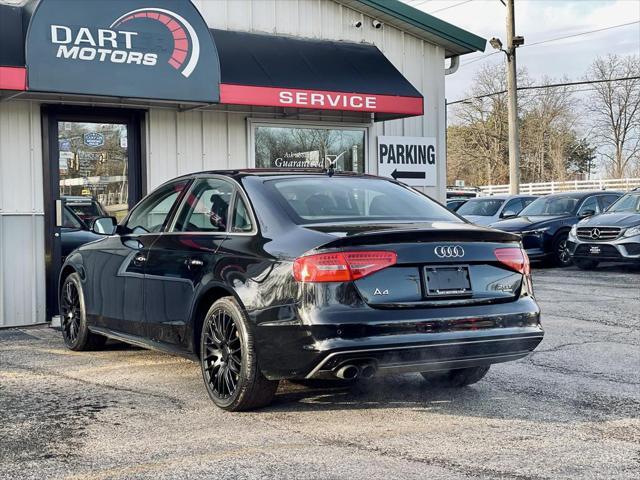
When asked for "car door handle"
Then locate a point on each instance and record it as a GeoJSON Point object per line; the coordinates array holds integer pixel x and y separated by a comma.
{"type": "Point", "coordinates": [139, 259]}
{"type": "Point", "coordinates": [194, 263]}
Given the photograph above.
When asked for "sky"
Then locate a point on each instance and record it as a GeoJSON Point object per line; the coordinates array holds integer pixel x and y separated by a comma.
{"type": "Point", "coordinates": [539, 20]}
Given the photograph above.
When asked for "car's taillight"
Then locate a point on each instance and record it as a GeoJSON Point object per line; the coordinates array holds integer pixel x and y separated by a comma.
{"type": "Point", "coordinates": [514, 258]}
{"type": "Point", "coordinates": [341, 266]}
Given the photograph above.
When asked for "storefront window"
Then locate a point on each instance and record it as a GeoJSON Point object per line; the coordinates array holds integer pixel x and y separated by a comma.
{"type": "Point", "coordinates": [309, 147]}
{"type": "Point", "coordinates": [93, 168]}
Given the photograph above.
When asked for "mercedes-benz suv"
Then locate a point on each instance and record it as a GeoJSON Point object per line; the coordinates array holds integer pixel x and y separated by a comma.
{"type": "Point", "coordinates": [612, 236]}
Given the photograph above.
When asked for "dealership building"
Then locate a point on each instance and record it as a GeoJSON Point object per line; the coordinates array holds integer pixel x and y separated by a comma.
{"type": "Point", "coordinates": [102, 101]}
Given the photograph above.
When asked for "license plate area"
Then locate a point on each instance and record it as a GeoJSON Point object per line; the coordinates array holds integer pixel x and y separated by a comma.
{"type": "Point", "coordinates": [595, 250]}
{"type": "Point", "coordinates": [447, 281]}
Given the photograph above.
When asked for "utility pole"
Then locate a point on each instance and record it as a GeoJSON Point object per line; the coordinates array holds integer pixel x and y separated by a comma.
{"type": "Point", "coordinates": [513, 42]}
{"type": "Point", "coordinates": [512, 89]}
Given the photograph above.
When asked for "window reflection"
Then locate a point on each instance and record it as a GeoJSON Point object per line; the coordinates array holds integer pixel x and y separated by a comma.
{"type": "Point", "coordinates": [93, 168]}
{"type": "Point", "coordinates": [309, 147]}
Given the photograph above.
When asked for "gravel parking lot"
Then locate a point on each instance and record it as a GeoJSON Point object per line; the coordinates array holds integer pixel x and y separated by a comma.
{"type": "Point", "coordinates": [570, 410]}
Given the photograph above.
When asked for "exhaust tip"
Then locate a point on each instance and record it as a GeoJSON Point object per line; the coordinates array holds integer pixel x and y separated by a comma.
{"type": "Point", "coordinates": [368, 370]}
{"type": "Point", "coordinates": [348, 372]}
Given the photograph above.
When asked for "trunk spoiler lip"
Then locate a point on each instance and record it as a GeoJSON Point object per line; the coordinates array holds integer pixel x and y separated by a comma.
{"type": "Point", "coordinates": [452, 235]}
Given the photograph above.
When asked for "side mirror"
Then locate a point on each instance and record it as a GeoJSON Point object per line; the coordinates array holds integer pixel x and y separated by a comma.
{"type": "Point", "coordinates": [508, 214]}
{"type": "Point", "coordinates": [104, 225]}
{"type": "Point", "coordinates": [587, 213]}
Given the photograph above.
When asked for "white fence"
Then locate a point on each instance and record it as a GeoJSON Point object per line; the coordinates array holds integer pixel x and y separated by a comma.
{"type": "Point", "coordinates": [623, 184]}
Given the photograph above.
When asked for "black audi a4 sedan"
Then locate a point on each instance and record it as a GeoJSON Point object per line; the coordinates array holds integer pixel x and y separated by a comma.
{"type": "Point", "coordinates": [262, 275]}
{"type": "Point", "coordinates": [546, 222]}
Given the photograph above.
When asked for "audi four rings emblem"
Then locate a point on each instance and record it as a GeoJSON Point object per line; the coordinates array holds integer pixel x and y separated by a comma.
{"type": "Point", "coordinates": [595, 233]}
{"type": "Point", "coordinates": [445, 251]}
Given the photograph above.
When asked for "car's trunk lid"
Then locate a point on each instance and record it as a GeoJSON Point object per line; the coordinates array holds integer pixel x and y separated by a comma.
{"type": "Point", "coordinates": [437, 263]}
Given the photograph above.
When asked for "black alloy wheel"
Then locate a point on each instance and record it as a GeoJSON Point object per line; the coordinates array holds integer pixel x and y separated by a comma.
{"type": "Point", "coordinates": [229, 362]}
{"type": "Point", "coordinates": [222, 354]}
{"type": "Point", "coordinates": [73, 319]}
{"type": "Point", "coordinates": [561, 253]}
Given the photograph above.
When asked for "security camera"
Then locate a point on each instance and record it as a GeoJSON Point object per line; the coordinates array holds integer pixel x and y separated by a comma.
{"type": "Point", "coordinates": [357, 23]}
{"type": "Point", "coordinates": [376, 24]}
{"type": "Point", "coordinates": [496, 43]}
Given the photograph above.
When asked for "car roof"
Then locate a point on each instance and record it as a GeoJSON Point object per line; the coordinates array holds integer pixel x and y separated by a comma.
{"type": "Point", "coordinates": [583, 194]}
{"type": "Point", "coordinates": [275, 172]}
{"type": "Point", "coordinates": [504, 197]}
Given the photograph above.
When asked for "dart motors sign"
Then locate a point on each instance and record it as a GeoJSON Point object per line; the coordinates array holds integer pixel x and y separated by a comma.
{"type": "Point", "coordinates": [411, 160]}
{"type": "Point", "coordinates": [159, 49]}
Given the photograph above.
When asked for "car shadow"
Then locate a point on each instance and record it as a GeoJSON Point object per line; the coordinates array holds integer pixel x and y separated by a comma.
{"type": "Point", "coordinates": [405, 391]}
{"type": "Point", "coordinates": [486, 399]}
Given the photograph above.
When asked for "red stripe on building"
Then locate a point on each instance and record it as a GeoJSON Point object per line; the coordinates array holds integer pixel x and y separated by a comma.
{"type": "Point", "coordinates": [319, 100]}
{"type": "Point", "coordinates": [13, 78]}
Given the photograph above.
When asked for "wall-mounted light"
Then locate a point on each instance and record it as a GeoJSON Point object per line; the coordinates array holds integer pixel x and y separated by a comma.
{"type": "Point", "coordinates": [376, 24]}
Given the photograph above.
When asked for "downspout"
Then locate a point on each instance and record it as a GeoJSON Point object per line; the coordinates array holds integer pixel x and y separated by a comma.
{"type": "Point", "coordinates": [453, 66]}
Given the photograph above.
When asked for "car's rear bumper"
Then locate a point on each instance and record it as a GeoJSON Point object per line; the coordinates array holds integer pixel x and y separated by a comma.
{"type": "Point", "coordinates": [424, 340]}
{"type": "Point", "coordinates": [431, 354]}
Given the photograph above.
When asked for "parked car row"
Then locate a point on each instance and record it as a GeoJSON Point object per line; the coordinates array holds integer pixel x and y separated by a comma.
{"type": "Point", "coordinates": [584, 228]}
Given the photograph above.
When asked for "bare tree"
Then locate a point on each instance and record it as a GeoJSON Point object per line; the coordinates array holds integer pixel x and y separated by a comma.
{"type": "Point", "coordinates": [477, 143]}
{"type": "Point", "coordinates": [614, 112]}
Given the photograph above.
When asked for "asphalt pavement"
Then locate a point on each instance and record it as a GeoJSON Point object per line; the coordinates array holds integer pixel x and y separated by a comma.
{"type": "Point", "coordinates": [570, 410]}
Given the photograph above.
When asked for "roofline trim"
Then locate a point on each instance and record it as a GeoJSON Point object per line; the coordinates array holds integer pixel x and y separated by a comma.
{"type": "Point", "coordinates": [428, 23]}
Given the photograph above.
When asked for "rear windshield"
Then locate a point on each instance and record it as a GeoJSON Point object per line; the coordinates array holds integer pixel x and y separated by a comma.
{"type": "Point", "coordinates": [629, 203]}
{"type": "Point", "coordinates": [484, 208]}
{"type": "Point", "coordinates": [336, 199]}
{"type": "Point", "coordinates": [563, 205]}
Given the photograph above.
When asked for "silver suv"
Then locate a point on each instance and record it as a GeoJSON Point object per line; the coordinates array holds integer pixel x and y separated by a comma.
{"type": "Point", "coordinates": [612, 236]}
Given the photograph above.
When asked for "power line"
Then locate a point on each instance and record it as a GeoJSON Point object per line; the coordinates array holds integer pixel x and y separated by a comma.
{"type": "Point", "coordinates": [450, 6]}
{"type": "Point", "coordinates": [550, 85]}
{"type": "Point", "coordinates": [541, 42]}
{"type": "Point", "coordinates": [579, 34]}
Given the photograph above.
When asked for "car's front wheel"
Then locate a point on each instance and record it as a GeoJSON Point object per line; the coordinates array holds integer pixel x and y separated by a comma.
{"type": "Point", "coordinates": [561, 255]}
{"type": "Point", "coordinates": [73, 317]}
{"type": "Point", "coordinates": [585, 264]}
{"type": "Point", "coordinates": [229, 360]}
{"type": "Point", "coordinates": [456, 378]}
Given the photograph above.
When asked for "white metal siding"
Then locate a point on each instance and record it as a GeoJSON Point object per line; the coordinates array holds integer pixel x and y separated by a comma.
{"type": "Point", "coordinates": [180, 142]}
{"type": "Point", "coordinates": [22, 299]}
{"type": "Point", "coordinates": [184, 142]}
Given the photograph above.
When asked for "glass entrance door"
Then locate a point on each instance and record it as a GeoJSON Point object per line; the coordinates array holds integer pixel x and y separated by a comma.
{"type": "Point", "coordinates": [92, 169]}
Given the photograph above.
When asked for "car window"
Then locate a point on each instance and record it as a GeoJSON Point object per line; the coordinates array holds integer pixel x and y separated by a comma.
{"type": "Point", "coordinates": [591, 203]}
{"type": "Point", "coordinates": [513, 206]}
{"type": "Point", "coordinates": [152, 212]}
{"type": "Point", "coordinates": [528, 201]}
{"type": "Point", "coordinates": [485, 207]}
{"type": "Point", "coordinates": [206, 207]}
{"type": "Point", "coordinates": [343, 199]}
{"type": "Point", "coordinates": [607, 200]}
{"type": "Point", "coordinates": [70, 220]}
{"type": "Point", "coordinates": [88, 210]}
{"type": "Point", "coordinates": [241, 216]}
{"type": "Point", "coordinates": [628, 203]}
{"type": "Point", "coordinates": [552, 206]}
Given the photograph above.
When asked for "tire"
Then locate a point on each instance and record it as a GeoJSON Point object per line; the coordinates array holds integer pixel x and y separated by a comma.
{"type": "Point", "coordinates": [229, 361]}
{"type": "Point", "coordinates": [73, 317]}
{"type": "Point", "coordinates": [585, 264]}
{"type": "Point", "coordinates": [456, 378]}
{"type": "Point", "coordinates": [561, 256]}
